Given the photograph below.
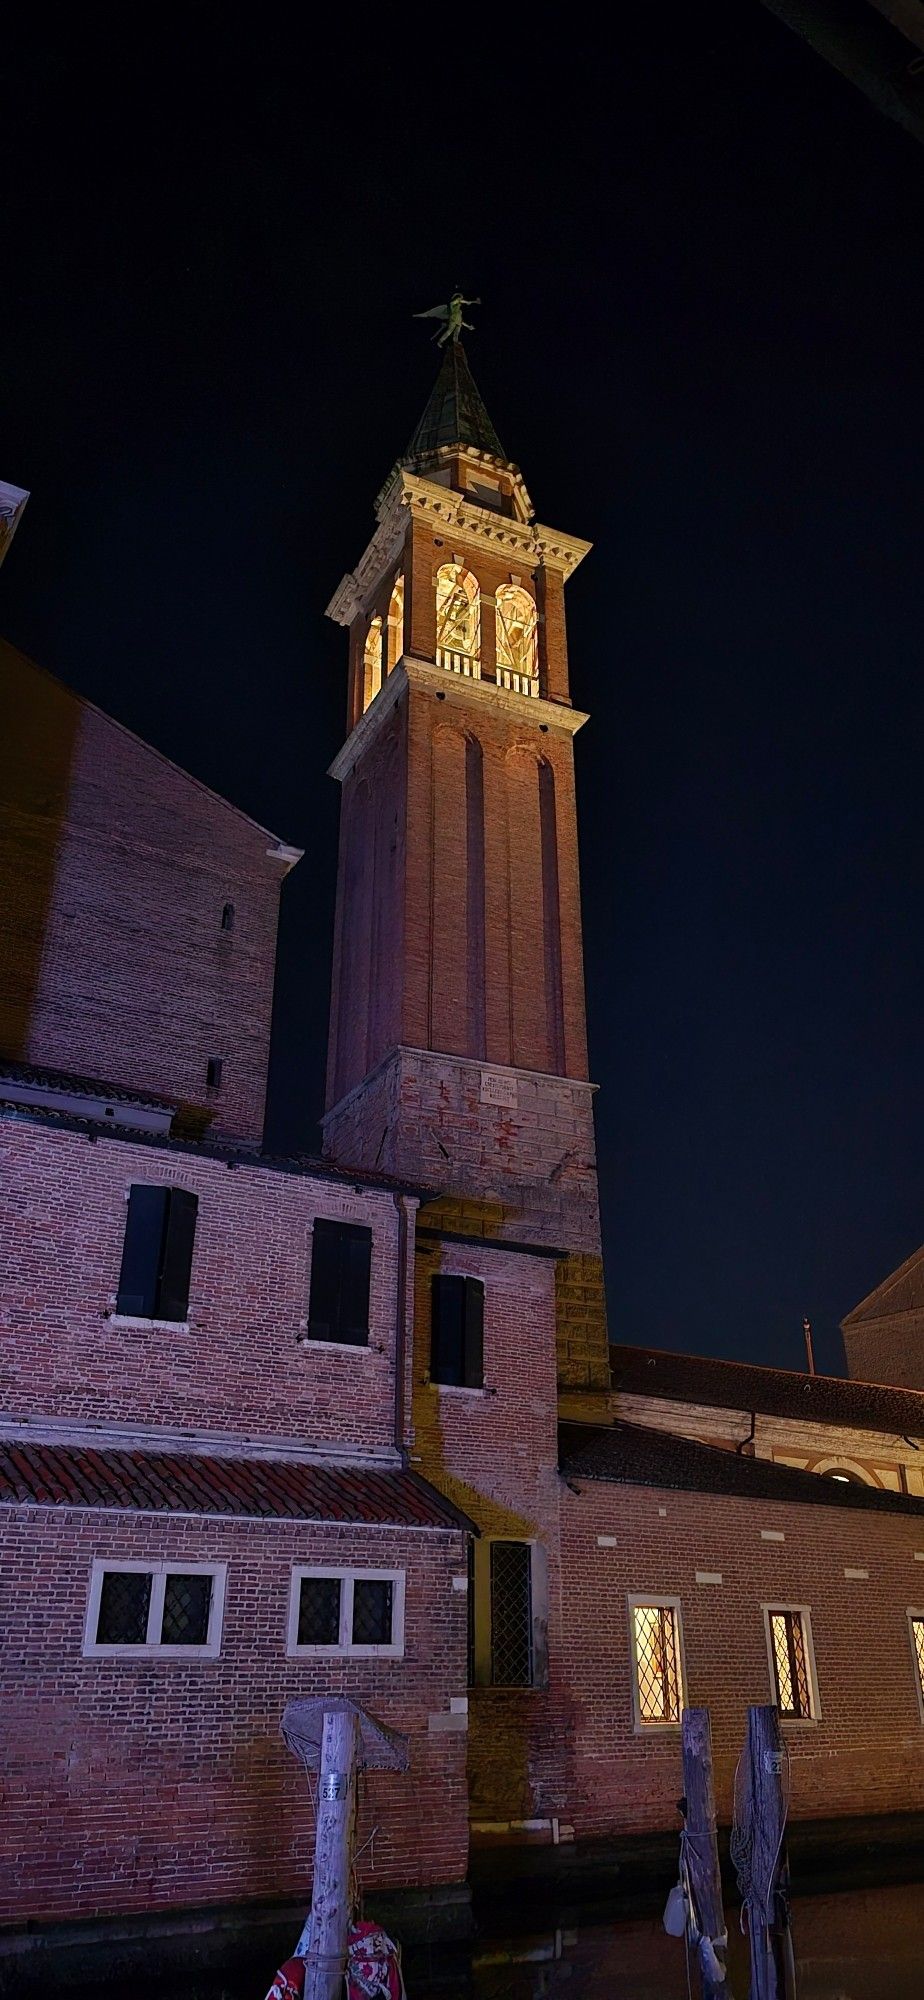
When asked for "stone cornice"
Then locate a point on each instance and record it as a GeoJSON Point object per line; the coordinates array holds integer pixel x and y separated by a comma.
{"type": "Point", "coordinates": [476, 527]}
{"type": "Point", "coordinates": [459, 691]}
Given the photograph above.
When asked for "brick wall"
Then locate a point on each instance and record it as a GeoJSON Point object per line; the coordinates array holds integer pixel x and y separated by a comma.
{"type": "Point", "coordinates": [866, 1752]}
{"type": "Point", "coordinates": [241, 1366]}
{"type": "Point", "coordinates": [889, 1349]}
{"type": "Point", "coordinates": [134, 1785]}
{"type": "Point", "coordinates": [115, 867]}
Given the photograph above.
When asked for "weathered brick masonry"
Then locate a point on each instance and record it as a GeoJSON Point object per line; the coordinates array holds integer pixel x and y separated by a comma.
{"type": "Point", "coordinates": [115, 870]}
{"type": "Point", "coordinates": [134, 1785]}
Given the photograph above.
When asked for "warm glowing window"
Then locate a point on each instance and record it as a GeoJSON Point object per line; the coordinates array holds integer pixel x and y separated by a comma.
{"type": "Point", "coordinates": [658, 1689]}
{"type": "Point", "coordinates": [517, 653]}
{"type": "Point", "coordinates": [458, 620]}
{"type": "Point", "coordinates": [916, 1634]}
{"type": "Point", "coordinates": [372, 660]}
{"type": "Point", "coordinates": [791, 1663]}
{"type": "Point", "coordinates": [395, 626]}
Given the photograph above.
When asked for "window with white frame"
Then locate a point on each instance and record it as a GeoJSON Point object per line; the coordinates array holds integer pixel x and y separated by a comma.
{"type": "Point", "coordinates": [792, 1661]}
{"type": "Point", "coordinates": [171, 1609]}
{"type": "Point", "coordinates": [359, 1612]}
{"type": "Point", "coordinates": [916, 1635]}
{"type": "Point", "coordinates": [657, 1661]}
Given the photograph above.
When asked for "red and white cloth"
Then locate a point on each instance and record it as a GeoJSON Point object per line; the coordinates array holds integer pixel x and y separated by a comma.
{"type": "Point", "coordinates": [373, 1968]}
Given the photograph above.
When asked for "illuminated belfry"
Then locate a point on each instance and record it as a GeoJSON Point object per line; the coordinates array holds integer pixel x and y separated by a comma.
{"type": "Point", "coordinates": [458, 1051]}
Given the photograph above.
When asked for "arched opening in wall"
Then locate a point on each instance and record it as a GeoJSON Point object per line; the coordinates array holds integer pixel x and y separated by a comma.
{"type": "Point", "coordinates": [395, 640]}
{"type": "Point", "coordinates": [475, 897]}
{"type": "Point", "coordinates": [458, 620]}
{"type": "Point", "coordinates": [551, 921]}
{"type": "Point", "coordinates": [372, 661]}
{"type": "Point", "coordinates": [846, 1472]}
{"type": "Point", "coordinates": [517, 640]}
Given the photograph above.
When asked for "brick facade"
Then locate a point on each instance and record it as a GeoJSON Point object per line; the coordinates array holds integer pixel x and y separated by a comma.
{"type": "Point", "coordinates": [115, 868]}
{"type": "Point", "coordinates": [136, 1785]}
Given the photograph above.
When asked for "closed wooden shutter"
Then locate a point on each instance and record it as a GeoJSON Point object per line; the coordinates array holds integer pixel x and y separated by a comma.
{"type": "Point", "coordinates": [141, 1252]}
{"type": "Point", "coordinates": [179, 1236]}
{"type": "Point", "coordinates": [341, 1263]}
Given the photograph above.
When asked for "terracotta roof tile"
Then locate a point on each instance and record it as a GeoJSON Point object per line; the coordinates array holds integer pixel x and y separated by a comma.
{"type": "Point", "coordinates": [776, 1392]}
{"type": "Point", "coordinates": [178, 1483]}
{"type": "Point", "coordinates": [631, 1455]}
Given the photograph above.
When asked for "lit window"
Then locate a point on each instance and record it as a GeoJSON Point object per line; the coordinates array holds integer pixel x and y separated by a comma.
{"type": "Point", "coordinates": [157, 1254]}
{"type": "Point", "coordinates": [395, 625]}
{"type": "Point", "coordinates": [155, 1608]}
{"type": "Point", "coordinates": [359, 1612]}
{"type": "Point", "coordinates": [372, 660]}
{"type": "Point", "coordinates": [657, 1664]}
{"type": "Point", "coordinates": [916, 1629]}
{"type": "Point", "coordinates": [457, 1332]}
{"type": "Point", "coordinates": [517, 652]}
{"type": "Point", "coordinates": [341, 1260]}
{"type": "Point", "coordinates": [458, 620]}
{"type": "Point", "coordinates": [791, 1665]}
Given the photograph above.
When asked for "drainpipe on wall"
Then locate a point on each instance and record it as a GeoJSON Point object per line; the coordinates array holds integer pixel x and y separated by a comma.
{"type": "Point", "coordinates": [747, 1444]}
{"type": "Point", "coordinates": [400, 1326]}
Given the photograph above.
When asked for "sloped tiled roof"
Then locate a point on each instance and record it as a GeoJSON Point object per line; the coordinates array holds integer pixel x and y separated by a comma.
{"type": "Point", "coordinates": [776, 1392]}
{"type": "Point", "coordinates": [64, 1082]}
{"type": "Point", "coordinates": [174, 1483]}
{"type": "Point", "coordinates": [631, 1455]}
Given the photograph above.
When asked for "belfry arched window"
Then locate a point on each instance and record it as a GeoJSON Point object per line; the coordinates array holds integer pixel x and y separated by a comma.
{"type": "Point", "coordinates": [372, 661]}
{"type": "Point", "coordinates": [395, 646]}
{"type": "Point", "coordinates": [517, 650]}
{"type": "Point", "coordinates": [458, 620]}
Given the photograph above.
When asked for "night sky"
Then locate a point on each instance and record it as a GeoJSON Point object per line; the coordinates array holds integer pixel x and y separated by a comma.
{"type": "Point", "coordinates": [700, 255]}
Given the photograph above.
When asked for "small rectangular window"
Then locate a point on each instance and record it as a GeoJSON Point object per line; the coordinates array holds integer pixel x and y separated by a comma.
{"type": "Point", "coordinates": [341, 1260]}
{"type": "Point", "coordinates": [791, 1666]}
{"type": "Point", "coordinates": [916, 1632]}
{"type": "Point", "coordinates": [213, 1069]}
{"type": "Point", "coordinates": [657, 1664]}
{"type": "Point", "coordinates": [359, 1612]}
{"type": "Point", "coordinates": [155, 1607]}
{"type": "Point", "coordinates": [157, 1253]}
{"type": "Point", "coordinates": [227, 917]}
{"type": "Point", "coordinates": [457, 1332]}
{"type": "Point", "coordinates": [511, 1614]}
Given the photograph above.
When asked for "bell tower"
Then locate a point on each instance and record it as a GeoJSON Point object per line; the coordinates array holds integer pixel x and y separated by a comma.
{"type": "Point", "coordinates": [458, 1052]}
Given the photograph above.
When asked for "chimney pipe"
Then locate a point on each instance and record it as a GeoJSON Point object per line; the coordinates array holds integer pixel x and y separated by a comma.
{"type": "Point", "coordinates": [809, 1349]}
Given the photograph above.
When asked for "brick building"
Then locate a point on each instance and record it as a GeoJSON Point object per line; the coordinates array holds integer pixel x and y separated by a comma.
{"type": "Point", "coordinates": [279, 1426]}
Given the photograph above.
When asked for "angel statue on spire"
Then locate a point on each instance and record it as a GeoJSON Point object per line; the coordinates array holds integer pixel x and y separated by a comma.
{"type": "Point", "coordinates": [452, 314]}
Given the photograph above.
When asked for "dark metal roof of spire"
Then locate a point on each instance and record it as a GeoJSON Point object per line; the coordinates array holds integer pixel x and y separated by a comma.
{"type": "Point", "coordinates": [455, 413]}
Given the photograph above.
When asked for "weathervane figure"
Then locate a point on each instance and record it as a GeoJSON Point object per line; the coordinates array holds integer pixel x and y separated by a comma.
{"type": "Point", "coordinates": [452, 314]}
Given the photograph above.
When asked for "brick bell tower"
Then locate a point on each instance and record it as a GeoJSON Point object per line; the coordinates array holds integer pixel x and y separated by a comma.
{"type": "Point", "coordinates": [458, 1048]}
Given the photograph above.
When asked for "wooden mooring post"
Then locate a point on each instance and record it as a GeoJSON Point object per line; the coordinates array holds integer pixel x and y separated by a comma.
{"type": "Point", "coordinates": [763, 1875]}
{"type": "Point", "coordinates": [333, 1858]}
{"type": "Point", "coordinates": [702, 1852]}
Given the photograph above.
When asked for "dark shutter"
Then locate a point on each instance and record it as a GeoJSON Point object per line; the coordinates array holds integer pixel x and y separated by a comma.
{"type": "Point", "coordinates": [179, 1236]}
{"type": "Point", "coordinates": [457, 1332]}
{"type": "Point", "coordinates": [341, 1260]}
{"type": "Point", "coordinates": [145, 1228]}
{"type": "Point", "coordinates": [447, 1327]}
{"type": "Point", "coordinates": [473, 1360]}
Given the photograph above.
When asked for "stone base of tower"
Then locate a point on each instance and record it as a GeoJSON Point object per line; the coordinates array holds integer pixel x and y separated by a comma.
{"type": "Point", "coordinates": [509, 1154]}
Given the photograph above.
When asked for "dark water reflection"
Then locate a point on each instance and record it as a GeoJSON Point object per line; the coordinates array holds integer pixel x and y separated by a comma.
{"type": "Point", "coordinates": [863, 1944]}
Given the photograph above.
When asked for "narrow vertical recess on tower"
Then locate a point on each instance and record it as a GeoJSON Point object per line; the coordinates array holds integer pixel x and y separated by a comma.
{"type": "Point", "coordinates": [551, 920]}
{"type": "Point", "coordinates": [474, 895]}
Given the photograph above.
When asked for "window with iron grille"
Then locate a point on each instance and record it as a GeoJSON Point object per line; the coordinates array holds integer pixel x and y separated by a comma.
{"type": "Point", "coordinates": [347, 1611]}
{"type": "Point", "coordinates": [791, 1662]}
{"type": "Point", "coordinates": [157, 1253]}
{"type": "Point", "coordinates": [916, 1631]}
{"type": "Point", "coordinates": [511, 1614]}
{"type": "Point", "coordinates": [155, 1608]}
{"type": "Point", "coordinates": [457, 1332]}
{"type": "Point", "coordinates": [338, 1305]}
{"type": "Point", "coordinates": [657, 1661]}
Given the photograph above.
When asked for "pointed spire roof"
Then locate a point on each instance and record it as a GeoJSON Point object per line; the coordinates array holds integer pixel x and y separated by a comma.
{"type": "Point", "coordinates": [455, 413]}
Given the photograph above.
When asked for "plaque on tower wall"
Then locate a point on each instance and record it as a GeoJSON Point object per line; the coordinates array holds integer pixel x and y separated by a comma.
{"type": "Point", "coordinates": [498, 1089]}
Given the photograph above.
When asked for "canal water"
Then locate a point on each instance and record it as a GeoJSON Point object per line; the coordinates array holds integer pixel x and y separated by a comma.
{"type": "Point", "coordinates": [858, 1945]}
